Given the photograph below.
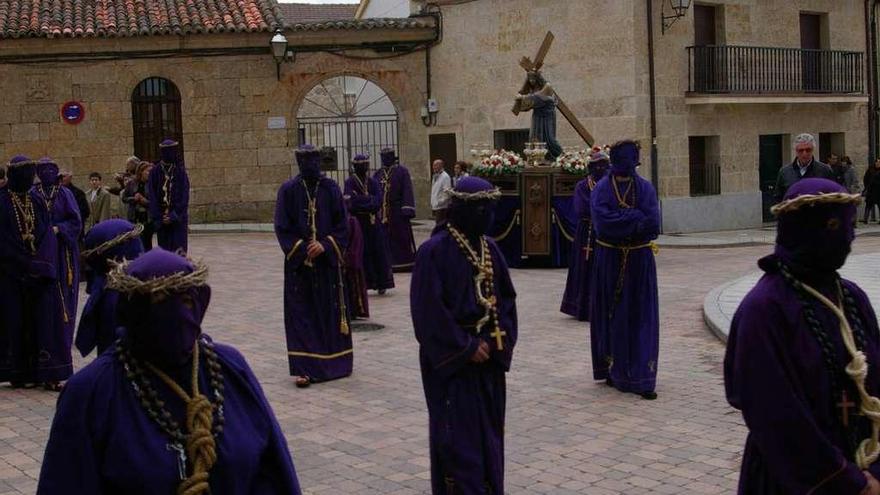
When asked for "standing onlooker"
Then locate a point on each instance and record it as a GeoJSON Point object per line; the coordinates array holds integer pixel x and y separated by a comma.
{"type": "Point", "coordinates": [138, 202]}
{"type": "Point", "coordinates": [459, 171]}
{"type": "Point", "coordinates": [850, 180]}
{"type": "Point", "coordinates": [99, 201]}
{"type": "Point", "coordinates": [843, 172]}
{"type": "Point", "coordinates": [81, 202]}
{"type": "Point", "coordinates": [803, 166]}
{"type": "Point", "coordinates": [871, 190]}
{"type": "Point", "coordinates": [440, 182]}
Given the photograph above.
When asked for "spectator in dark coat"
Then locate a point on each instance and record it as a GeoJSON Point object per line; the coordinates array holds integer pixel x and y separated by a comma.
{"type": "Point", "coordinates": [81, 202]}
{"type": "Point", "coordinates": [872, 190]}
{"type": "Point", "coordinates": [803, 166]}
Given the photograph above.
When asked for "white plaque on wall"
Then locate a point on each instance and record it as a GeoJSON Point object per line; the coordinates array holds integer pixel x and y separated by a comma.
{"type": "Point", "coordinates": [277, 122]}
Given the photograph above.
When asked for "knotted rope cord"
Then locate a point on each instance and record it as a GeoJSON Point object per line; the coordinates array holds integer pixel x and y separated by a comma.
{"type": "Point", "coordinates": [200, 445]}
{"type": "Point", "coordinates": [869, 449]}
{"type": "Point", "coordinates": [386, 187]}
{"type": "Point", "coordinates": [25, 218]}
{"type": "Point", "coordinates": [484, 283]}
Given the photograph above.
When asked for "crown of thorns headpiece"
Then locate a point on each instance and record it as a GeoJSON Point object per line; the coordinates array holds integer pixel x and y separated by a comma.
{"type": "Point", "coordinates": [122, 282]}
{"type": "Point", "coordinates": [803, 200]}
{"type": "Point", "coordinates": [107, 245]}
{"type": "Point", "coordinates": [492, 194]}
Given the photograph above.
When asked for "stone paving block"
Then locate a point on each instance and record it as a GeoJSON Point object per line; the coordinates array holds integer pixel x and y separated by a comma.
{"type": "Point", "coordinates": [564, 433]}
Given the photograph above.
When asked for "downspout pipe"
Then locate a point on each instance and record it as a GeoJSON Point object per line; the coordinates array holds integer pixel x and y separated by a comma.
{"type": "Point", "coordinates": [655, 168]}
{"type": "Point", "coordinates": [870, 42]}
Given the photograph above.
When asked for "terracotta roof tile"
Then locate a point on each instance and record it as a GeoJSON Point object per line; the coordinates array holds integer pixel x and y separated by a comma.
{"type": "Point", "coordinates": [310, 12]}
{"type": "Point", "coordinates": [120, 18]}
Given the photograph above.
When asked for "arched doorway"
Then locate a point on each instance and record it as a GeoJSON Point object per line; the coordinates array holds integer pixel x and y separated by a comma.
{"type": "Point", "coordinates": [347, 115]}
{"type": "Point", "coordinates": [155, 114]}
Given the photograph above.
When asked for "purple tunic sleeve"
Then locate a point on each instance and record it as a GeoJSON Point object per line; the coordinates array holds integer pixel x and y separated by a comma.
{"type": "Point", "coordinates": [287, 228]}
{"type": "Point", "coordinates": [799, 455]}
{"type": "Point", "coordinates": [506, 308]}
{"type": "Point", "coordinates": [872, 332]}
{"type": "Point", "coordinates": [180, 196]}
{"type": "Point", "coordinates": [360, 202]}
{"type": "Point", "coordinates": [649, 228]}
{"type": "Point", "coordinates": [406, 191]}
{"type": "Point", "coordinates": [443, 342]}
{"type": "Point", "coordinates": [611, 222]}
{"type": "Point", "coordinates": [65, 216]}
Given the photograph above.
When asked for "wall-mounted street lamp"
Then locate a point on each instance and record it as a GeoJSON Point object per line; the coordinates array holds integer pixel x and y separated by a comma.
{"type": "Point", "coordinates": [280, 52]}
{"type": "Point", "coordinates": [679, 9]}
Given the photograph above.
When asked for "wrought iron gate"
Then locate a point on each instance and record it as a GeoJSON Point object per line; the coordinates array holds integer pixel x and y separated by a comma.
{"type": "Point", "coordinates": [344, 116]}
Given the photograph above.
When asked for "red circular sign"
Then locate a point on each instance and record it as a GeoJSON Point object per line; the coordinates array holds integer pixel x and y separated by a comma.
{"type": "Point", "coordinates": [73, 112]}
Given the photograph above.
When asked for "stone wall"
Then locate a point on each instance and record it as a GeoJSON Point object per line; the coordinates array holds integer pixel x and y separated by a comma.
{"type": "Point", "coordinates": [599, 65]}
{"type": "Point", "coordinates": [236, 163]}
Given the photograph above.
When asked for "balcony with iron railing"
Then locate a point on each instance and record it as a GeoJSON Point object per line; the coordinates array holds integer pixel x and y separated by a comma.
{"type": "Point", "coordinates": [732, 74]}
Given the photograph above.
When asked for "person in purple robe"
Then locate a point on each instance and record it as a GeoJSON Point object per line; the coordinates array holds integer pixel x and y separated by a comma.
{"type": "Point", "coordinates": [363, 194]}
{"type": "Point", "coordinates": [312, 230]}
{"type": "Point", "coordinates": [33, 349]}
{"type": "Point", "coordinates": [166, 410]}
{"type": "Point", "coordinates": [463, 308]}
{"type": "Point", "coordinates": [355, 282]}
{"type": "Point", "coordinates": [168, 190]}
{"type": "Point", "coordinates": [576, 299]}
{"type": "Point", "coordinates": [67, 226]}
{"type": "Point", "coordinates": [396, 209]}
{"type": "Point", "coordinates": [110, 241]}
{"type": "Point", "coordinates": [803, 356]}
{"type": "Point", "coordinates": [624, 306]}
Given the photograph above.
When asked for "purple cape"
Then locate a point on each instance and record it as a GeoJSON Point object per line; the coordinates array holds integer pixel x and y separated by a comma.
{"type": "Point", "coordinates": [396, 208]}
{"type": "Point", "coordinates": [317, 345]}
{"type": "Point", "coordinates": [173, 236]}
{"type": "Point", "coordinates": [775, 373]}
{"type": "Point", "coordinates": [103, 442]}
{"type": "Point", "coordinates": [355, 284]}
{"type": "Point", "coordinates": [624, 308]}
{"type": "Point", "coordinates": [466, 401]}
{"type": "Point", "coordinates": [65, 215]}
{"type": "Point", "coordinates": [364, 206]}
{"type": "Point", "coordinates": [576, 299]}
{"type": "Point", "coordinates": [33, 344]}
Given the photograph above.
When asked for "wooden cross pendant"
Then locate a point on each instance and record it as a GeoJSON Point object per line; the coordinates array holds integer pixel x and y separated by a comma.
{"type": "Point", "coordinates": [587, 251]}
{"type": "Point", "coordinates": [845, 404]}
{"type": "Point", "coordinates": [497, 334]}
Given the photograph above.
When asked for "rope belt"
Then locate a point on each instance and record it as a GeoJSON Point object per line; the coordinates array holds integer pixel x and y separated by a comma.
{"type": "Point", "coordinates": [618, 289]}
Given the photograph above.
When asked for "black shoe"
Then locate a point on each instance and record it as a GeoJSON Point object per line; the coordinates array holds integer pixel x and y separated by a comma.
{"type": "Point", "coordinates": [649, 395]}
{"type": "Point", "coordinates": [609, 382]}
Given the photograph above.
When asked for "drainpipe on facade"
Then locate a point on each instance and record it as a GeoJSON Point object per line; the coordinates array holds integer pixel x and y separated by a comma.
{"type": "Point", "coordinates": [870, 30]}
{"type": "Point", "coordinates": [655, 168]}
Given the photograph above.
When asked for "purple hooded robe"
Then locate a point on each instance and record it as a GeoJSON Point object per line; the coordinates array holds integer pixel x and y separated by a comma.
{"type": "Point", "coordinates": [364, 206]}
{"type": "Point", "coordinates": [466, 400]}
{"type": "Point", "coordinates": [318, 345]}
{"type": "Point", "coordinates": [624, 305]}
{"type": "Point", "coordinates": [32, 344]}
{"type": "Point", "coordinates": [576, 299]}
{"type": "Point", "coordinates": [787, 375]}
{"type": "Point", "coordinates": [175, 203]}
{"type": "Point", "coordinates": [102, 439]}
{"type": "Point", "coordinates": [396, 209]}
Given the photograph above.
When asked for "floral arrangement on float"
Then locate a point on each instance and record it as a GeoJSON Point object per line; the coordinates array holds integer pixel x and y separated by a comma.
{"type": "Point", "coordinates": [573, 162]}
{"type": "Point", "coordinates": [499, 162]}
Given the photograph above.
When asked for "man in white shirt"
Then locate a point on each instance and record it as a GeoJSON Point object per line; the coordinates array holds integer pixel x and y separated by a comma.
{"type": "Point", "coordinates": [440, 182]}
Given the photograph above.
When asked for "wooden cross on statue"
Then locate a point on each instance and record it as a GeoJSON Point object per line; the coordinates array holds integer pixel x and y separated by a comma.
{"type": "Point", "coordinates": [535, 66]}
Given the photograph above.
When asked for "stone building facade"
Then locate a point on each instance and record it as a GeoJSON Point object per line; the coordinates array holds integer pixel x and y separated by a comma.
{"type": "Point", "coordinates": [598, 64]}
{"type": "Point", "coordinates": [239, 121]}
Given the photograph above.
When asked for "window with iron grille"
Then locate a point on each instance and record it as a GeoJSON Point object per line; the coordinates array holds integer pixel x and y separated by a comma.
{"type": "Point", "coordinates": [511, 139]}
{"type": "Point", "coordinates": [155, 114]}
{"type": "Point", "coordinates": [705, 171]}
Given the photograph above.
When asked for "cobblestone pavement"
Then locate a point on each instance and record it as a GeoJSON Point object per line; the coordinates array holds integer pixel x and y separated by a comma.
{"type": "Point", "coordinates": [565, 434]}
{"type": "Point", "coordinates": [721, 303]}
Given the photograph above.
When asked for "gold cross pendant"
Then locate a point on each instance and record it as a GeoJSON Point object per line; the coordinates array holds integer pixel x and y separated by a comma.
{"type": "Point", "coordinates": [497, 334]}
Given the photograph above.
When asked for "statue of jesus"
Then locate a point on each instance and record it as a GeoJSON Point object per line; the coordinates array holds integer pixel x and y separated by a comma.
{"type": "Point", "coordinates": [537, 95]}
